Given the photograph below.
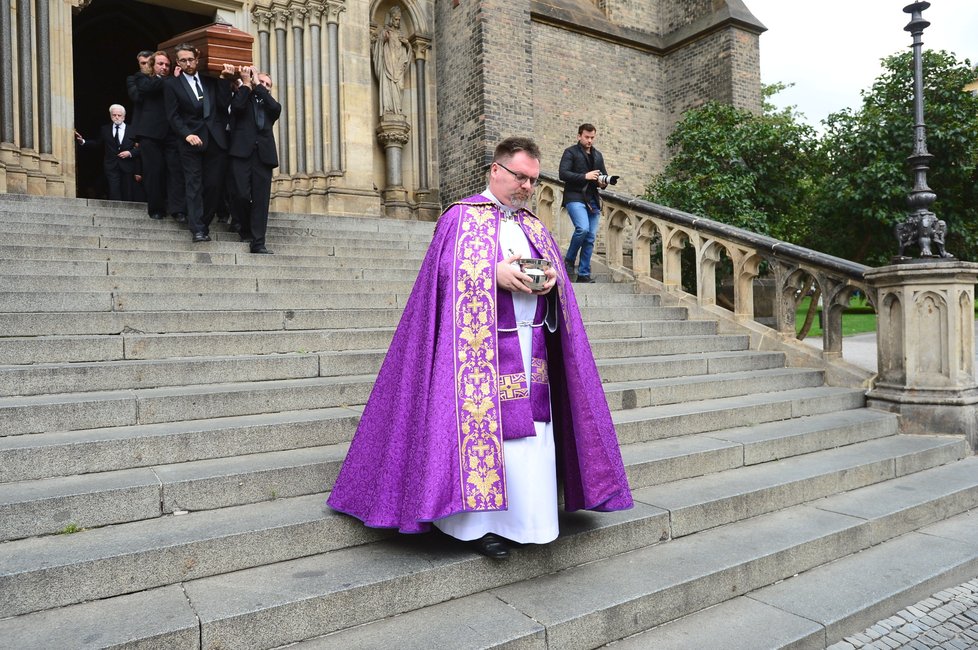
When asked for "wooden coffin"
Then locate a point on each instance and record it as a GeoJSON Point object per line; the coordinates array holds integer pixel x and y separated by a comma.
{"type": "Point", "coordinates": [218, 43]}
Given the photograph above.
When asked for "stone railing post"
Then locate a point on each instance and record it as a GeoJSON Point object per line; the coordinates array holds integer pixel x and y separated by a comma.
{"type": "Point", "coordinates": [926, 346]}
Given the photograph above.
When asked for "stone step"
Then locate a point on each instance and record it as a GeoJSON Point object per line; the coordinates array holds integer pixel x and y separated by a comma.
{"type": "Point", "coordinates": [208, 253]}
{"type": "Point", "coordinates": [672, 390]}
{"type": "Point", "coordinates": [598, 314]}
{"type": "Point", "coordinates": [62, 504]}
{"type": "Point", "coordinates": [408, 272]}
{"type": "Point", "coordinates": [851, 594]}
{"type": "Point", "coordinates": [671, 459]}
{"type": "Point", "coordinates": [44, 210]}
{"type": "Point", "coordinates": [91, 451]}
{"type": "Point", "coordinates": [68, 284]}
{"type": "Point", "coordinates": [75, 253]}
{"type": "Point", "coordinates": [584, 590]}
{"type": "Point", "coordinates": [32, 268]}
{"type": "Point", "coordinates": [33, 323]}
{"type": "Point", "coordinates": [97, 409]}
{"type": "Point", "coordinates": [605, 297]}
{"type": "Point", "coordinates": [163, 322]}
{"type": "Point", "coordinates": [657, 422]}
{"type": "Point", "coordinates": [132, 301]}
{"type": "Point", "coordinates": [624, 369]}
{"type": "Point", "coordinates": [43, 573]}
{"type": "Point", "coordinates": [649, 328]}
{"type": "Point", "coordinates": [117, 620]}
{"type": "Point", "coordinates": [165, 232]}
{"type": "Point", "coordinates": [29, 301]}
{"type": "Point", "coordinates": [665, 345]}
{"type": "Point", "coordinates": [108, 221]}
{"type": "Point", "coordinates": [124, 542]}
{"type": "Point", "coordinates": [359, 248]}
{"type": "Point", "coordinates": [707, 501]}
{"type": "Point", "coordinates": [138, 346]}
{"type": "Point", "coordinates": [75, 377]}
{"type": "Point", "coordinates": [161, 346]}
{"type": "Point", "coordinates": [39, 365]}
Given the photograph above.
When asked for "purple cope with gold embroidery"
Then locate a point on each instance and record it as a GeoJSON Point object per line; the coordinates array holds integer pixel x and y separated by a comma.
{"type": "Point", "coordinates": [452, 387]}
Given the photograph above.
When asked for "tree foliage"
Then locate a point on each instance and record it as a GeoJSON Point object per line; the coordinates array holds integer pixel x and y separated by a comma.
{"type": "Point", "coordinates": [752, 171]}
{"type": "Point", "coordinates": [842, 192]}
{"type": "Point", "coordinates": [865, 190]}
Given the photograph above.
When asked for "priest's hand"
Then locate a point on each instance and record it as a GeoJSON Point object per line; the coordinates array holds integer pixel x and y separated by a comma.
{"type": "Point", "coordinates": [551, 275]}
{"type": "Point", "coordinates": [510, 278]}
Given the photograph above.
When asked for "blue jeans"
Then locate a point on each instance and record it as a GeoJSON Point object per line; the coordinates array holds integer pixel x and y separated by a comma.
{"type": "Point", "coordinates": [585, 219]}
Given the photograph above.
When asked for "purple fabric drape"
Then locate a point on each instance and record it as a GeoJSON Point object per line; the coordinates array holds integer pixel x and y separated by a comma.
{"type": "Point", "coordinates": [430, 441]}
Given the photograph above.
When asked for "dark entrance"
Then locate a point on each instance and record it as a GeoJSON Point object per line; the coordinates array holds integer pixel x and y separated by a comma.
{"type": "Point", "coordinates": [107, 36]}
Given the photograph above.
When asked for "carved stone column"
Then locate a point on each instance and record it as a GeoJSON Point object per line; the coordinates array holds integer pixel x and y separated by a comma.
{"type": "Point", "coordinates": [262, 17]}
{"type": "Point", "coordinates": [282, 18]}
{"type": "Point", "coordinates": [316, 11]}
{"type": "Point", "coordinates": [421, 45]}
{"type": "Point", "coordinates": [334, 8]}
{"type": "Point", "coordinates": [9, 155]}
{"type": "Point", "coordinates": [392, 134]}
{"type": "Point", "coordinates": [926, 346]}
{"type": "Point", "coordinates": [299, 12]}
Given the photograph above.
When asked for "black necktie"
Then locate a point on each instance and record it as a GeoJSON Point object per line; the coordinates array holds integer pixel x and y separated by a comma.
{"type": "Point", "coordinates": [200, 92]}
{"type": "Point", "coordinates": [259, 114]}
{"type": "Point", "coordinates": [117, 143]}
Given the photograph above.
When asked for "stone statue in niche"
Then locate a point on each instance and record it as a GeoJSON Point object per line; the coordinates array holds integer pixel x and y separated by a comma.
{"type": "Point", "coordinates": [392, 56]}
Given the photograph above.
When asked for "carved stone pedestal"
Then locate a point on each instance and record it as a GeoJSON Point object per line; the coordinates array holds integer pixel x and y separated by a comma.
{"type": "Point", "coordinates": [925, 330]}
{"type": "Point", "coordinates": [392, 134]}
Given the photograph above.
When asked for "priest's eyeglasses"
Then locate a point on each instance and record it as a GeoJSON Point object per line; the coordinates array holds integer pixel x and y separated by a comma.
{"type": "Point", "coordinates": [521, 178]}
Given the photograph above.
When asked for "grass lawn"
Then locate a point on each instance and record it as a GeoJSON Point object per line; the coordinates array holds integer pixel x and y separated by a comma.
{"type": "Point", "coordinates": [857, 321]}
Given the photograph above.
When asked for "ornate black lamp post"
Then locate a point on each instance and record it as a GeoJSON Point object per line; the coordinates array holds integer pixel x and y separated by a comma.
{"type": "Point", "coordinates": [922, 227]}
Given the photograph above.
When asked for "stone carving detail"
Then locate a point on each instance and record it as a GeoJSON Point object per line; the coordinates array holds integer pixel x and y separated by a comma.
{"type": "Point", "coordinates": [391, 58]}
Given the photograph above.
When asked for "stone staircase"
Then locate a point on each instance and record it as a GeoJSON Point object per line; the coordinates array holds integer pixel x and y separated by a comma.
{"type": "Point", "coordinates": [172, 414]}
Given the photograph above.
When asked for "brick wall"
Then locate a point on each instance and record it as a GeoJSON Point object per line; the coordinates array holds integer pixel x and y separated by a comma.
{"type": "Point", "coordinates": [500, 74]}
{"type": "Point", "coordinates": [578, 79]}
{"type": "Point", "coordinates": [459, 58]}
{"type": "Point", "coordinates": [723, 66]}
{"type": "Point", "coordinates": [642, 15]}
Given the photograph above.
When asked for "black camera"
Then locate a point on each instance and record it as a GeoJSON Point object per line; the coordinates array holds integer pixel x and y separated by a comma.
{"type": "Point", "coordinates": [609, 180]}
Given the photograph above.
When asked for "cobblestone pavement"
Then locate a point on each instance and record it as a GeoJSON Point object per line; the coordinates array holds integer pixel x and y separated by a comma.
{"type": "Point", "coordinates": [947, 620]}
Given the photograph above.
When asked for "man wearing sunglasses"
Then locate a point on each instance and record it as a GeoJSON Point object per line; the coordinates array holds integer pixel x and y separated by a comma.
{"type": "Point", "coordinates": [579, 168]}
{"type": "Point", "coordinates": [489, 391]}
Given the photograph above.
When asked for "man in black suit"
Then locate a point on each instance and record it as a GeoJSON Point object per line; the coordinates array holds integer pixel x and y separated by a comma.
{"type": "Point", "coordinates": [151, 129]}
{"type": "Point", "coordinates": [253, 154]}
{"type": "Point", "coordinates": [192, 104]}
{"type": "Point", "coordinates": [120, 152]}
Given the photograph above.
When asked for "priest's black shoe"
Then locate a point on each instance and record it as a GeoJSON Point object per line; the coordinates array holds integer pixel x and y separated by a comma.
{"type": "Point", "coordinates": [261, 250]}
{"type": "Point", "coordinates": [492, 546]}
{"type": "Point", "coordinates": [199, 237]}
{"type": "Point", "coordinates": [156, 216]}
{"type": "Point", "coordinates": [180, 217]}
{"type": "Point", "coordinates": [585, 279]}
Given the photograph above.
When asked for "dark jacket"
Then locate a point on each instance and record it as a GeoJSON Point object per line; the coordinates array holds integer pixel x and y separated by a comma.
{"type": "Point", "coordinates": [246, 136]}
{"type": "Point", "coordinates": [146, 92]}
{"type": "Point", "coordinates": [111, 148]}
{"type": "Point", "coordinates": [186, 115]}
{"type": "Point", "coordinates": [573, 166]}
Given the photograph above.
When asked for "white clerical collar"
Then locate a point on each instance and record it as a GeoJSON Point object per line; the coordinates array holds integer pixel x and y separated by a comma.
{"type": "Point", "coordinates": [506, 210]}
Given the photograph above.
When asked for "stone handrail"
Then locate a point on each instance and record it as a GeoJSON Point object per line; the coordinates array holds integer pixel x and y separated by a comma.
{"type": "Point", "coordinates": [654, 230]}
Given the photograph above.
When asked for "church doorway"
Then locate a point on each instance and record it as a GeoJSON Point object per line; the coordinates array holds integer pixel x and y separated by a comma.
{"type": "Point", "coordinates": [107, 34]}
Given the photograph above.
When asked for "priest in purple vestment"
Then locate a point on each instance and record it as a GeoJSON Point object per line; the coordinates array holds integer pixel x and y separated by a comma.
{"type": "Point", "coordinates": [489, 393]}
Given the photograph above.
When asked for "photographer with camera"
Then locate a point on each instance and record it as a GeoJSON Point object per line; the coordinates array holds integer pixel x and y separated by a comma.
{"type": "Point", "coordinates": [583, 172]}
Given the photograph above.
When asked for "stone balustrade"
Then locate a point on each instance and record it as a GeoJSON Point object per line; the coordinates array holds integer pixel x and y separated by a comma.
{"type": "Point", "coordinates": [639, 236]}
